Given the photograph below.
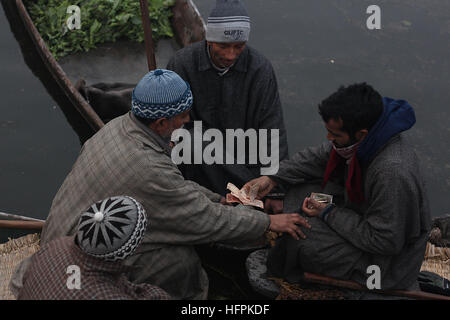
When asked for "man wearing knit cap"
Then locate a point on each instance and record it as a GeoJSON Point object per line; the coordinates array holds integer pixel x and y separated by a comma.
{"type": "Point", "coordinates": [132, 155]}
{"type": "Point", "coordinates": [89, 265]}
{"type": "Point", "coordinates": [234, 87]}
{"type": "Point", "coordinates": [379, 215]}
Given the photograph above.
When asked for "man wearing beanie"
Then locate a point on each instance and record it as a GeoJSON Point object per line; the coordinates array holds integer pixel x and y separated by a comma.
{"type": "Point", "coordinates": [234, 87]}
{"type": "Point", "coordinates": [132, 155]}
{"type": "Point", "coordinates": [89, 266]}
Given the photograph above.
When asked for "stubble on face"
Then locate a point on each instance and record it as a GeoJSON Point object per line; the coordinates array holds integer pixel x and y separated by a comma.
{"type": "Point", "coordinates": [224, 55]}
{"type": "Point", "coordinates": [335, 134]}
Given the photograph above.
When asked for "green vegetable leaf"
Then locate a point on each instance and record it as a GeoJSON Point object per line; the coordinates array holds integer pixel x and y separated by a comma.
{"type": "Point", "coordinates": [101, 21]}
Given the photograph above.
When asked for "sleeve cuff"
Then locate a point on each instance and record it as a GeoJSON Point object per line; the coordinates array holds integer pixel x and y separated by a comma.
{"type": "Point", "coordinates": [324, 214]}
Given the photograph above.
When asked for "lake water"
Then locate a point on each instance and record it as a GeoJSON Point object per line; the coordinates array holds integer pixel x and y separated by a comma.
{"type": "Point", "coordinates": [314, 46]}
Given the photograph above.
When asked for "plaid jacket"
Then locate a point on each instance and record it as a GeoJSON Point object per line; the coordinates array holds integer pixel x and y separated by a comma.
{"type": "Point", "coordinates": [50, 277]}
{"type": "Point", "coordinates": [126, 158]}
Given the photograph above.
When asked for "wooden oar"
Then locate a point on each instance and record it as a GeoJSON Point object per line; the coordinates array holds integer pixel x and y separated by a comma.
{"type": "Point", "coordinates": [420, 295]}
{"type": "Point", "coordinates": [151, 61]}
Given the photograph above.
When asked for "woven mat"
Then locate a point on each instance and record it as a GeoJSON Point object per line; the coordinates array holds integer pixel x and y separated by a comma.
{"type": "Point", "coordinates": [290, 291]}
{"type": "Point", "coordinates": [437, 260]}
{"type": "Point", "coordinates": [11, 254]}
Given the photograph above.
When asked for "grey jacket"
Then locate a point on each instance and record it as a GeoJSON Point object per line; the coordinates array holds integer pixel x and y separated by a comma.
{"type": "Point", "coordinates": [391, 226]}
{"type": "Point", "coordinates": [126, 158]}
{"type": "Point", "coordinates": [245, 97]}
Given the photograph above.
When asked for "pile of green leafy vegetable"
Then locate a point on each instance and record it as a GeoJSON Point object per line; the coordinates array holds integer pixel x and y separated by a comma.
{"type": "Point", "coordinates": [101, 21]}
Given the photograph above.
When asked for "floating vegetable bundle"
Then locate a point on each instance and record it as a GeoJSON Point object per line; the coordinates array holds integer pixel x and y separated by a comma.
{"type": "Point", "coordinates": [101, 21]}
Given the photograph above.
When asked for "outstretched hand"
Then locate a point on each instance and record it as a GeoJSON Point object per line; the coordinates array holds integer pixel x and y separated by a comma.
{"type": "Point", "coordinates": [289, 222]}
{"type": "Point", "coordinates": [264, 184]}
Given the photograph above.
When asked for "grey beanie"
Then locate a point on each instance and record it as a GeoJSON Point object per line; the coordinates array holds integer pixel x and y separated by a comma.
{"type": "Point", "coordinates": [112, 228]}
{"type": "Point", "coordinates": [228, 22]}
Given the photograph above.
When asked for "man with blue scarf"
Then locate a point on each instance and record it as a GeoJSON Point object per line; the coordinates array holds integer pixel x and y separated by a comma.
{"type": "Point", "coordinates": [380, 213]}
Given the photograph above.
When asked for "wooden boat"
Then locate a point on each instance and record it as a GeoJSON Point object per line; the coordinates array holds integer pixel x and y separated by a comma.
{"type": "Point", "coordinates": [60, 79]}
{"type": "Point", "coordinates": [436, 261]}
{"type": "Point", "coordinates": [119, 62]}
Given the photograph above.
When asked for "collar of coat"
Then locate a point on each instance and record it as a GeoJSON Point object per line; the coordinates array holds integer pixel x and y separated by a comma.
{"type": "Point", "coordinates": [93, 264]}
{"type": "Point", "coordinates": [205, 64]}
{"type": "Point", "coordinates": [149, 137]}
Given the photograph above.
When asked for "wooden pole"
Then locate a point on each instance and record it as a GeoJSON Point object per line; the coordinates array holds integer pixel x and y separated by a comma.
{"type": "Point", "coordinates": [149, 47]}
{"type": "Point", "coordinates": [18, 217]}
{"type": "Point", "coordinates": [11, 224]}
{"type": "Point", "coordinates": [420, 295]}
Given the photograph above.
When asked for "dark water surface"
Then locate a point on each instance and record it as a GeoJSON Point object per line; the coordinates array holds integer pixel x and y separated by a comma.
{"type": "Point", "coordinates": [38, 146]}
{"type": "Point", "coordinates": [315, 46]}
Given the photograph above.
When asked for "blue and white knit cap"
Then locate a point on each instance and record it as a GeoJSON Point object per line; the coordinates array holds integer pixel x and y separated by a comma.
{"type": "Point", "coordinates": [228, 22]}
{"type": "Point", "coordinates": [161, 94]}
{"type": "Point", "coordinates": [112, 229]}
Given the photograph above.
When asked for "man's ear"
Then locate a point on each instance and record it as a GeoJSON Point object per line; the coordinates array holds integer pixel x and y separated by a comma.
{"type": "Point", "coordinates": [159, 125]}
{"type": "Point", "coordinates": [361, 134]}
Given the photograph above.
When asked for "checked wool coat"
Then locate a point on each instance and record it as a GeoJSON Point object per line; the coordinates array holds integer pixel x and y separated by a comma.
{"type": "Point", "coordinates": [127, 158]}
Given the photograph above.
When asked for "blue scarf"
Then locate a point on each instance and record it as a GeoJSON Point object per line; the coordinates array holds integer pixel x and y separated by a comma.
{"type": "Point", "coordinates": [397, 116]}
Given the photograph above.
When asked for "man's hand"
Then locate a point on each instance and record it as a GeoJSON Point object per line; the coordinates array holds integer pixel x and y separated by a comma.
{"type": "Point", "coordinates": [288, 222]}
{"type": "Point", "coordinates": [273, 205]}
{"type": "Point", "coordinates": [265, 186]}
{"type": "Point", "coordinates": [312, 207]}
